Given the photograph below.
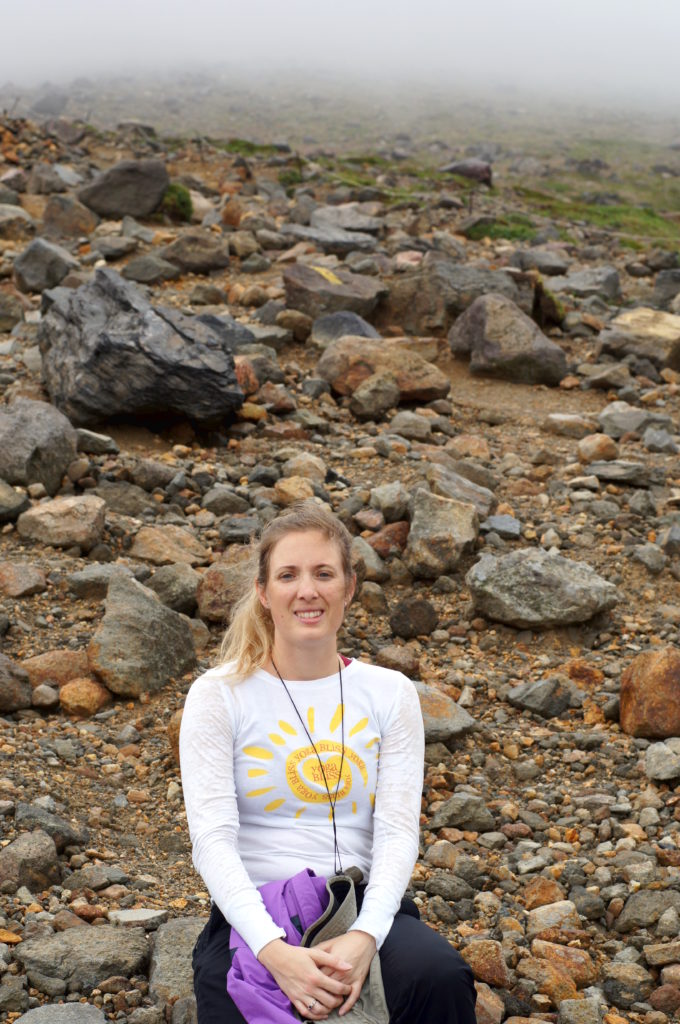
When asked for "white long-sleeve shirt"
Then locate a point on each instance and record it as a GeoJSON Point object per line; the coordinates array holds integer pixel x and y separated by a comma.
{"type": "Point", "coordinates": [256, 801]}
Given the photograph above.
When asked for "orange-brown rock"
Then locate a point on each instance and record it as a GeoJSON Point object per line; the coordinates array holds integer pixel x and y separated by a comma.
{"type": "Point", "coordinates": [290, 489]}
{"type": "Point", "coordinates": [349, 361]}
{"type": "Point", "coordinates": [650, 695]}
{"type": "Point", "coordinates": [163, 545]}
{"type": "Point", "coordinates": [88, 911]}
{"type": "Point", "coordinates": [490, 1008]}
{"type": "Point", "coordinates": [666, 998]}
{"type": "Point", "coordinates": [173, 733]}
{"type": "Point", "coordinates": [597, 447]}
{"type": "Point", "coordinates": [469, 445]}
{"type": "Point", "coordinates": [56, 667]}
{"type": "Point", "coordinates": [19, 579]}
{"type": "Point", "coordinates": [232, 213]}
{"type": "Point", "coordinates": [219, 583]}
{"type": "Point", "coordinates": [485, 957]}
{"type": "Point", "coordinates": [541, 891]}
{"type": "Point", "coordinates": [245, 375]}
{"type": "Point", "coordinates": [391, 539]}
{"type": "Point", "coordinates": [551, 981]}
{"type": "Point", "coordinates": [64, 919]}
{"type": "Point", "coordinates": [574, 962]}
{"type": "Point", "coordinates": [580, 671]}
{"type": "Point", "coordinates": [84, 697]}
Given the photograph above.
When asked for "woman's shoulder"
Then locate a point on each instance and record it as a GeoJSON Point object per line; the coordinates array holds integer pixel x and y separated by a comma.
{"type": "Point", "coordinates": [213, 684]}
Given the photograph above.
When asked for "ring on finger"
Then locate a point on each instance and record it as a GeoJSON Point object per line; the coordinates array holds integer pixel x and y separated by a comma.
{"type": "Point", "coordinates": [310, 1006]}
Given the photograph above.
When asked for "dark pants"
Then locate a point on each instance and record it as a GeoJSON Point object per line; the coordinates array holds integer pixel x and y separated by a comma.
{"type": "Point", "coordinates": [426, 980]}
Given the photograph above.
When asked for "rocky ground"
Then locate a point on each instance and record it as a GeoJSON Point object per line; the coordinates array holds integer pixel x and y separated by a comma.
{"type": "Point", "coordinates": [483, 382]}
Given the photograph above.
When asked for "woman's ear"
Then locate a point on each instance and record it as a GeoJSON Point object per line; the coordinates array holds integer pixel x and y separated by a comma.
{"type": "Point", "coordinates": [261, 593]}
{"type": "Point", "coordinates": [349, 593]}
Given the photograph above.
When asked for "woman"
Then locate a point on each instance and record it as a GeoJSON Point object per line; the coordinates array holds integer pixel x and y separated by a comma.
{"type": "Point", "coordinates": [294, 757]}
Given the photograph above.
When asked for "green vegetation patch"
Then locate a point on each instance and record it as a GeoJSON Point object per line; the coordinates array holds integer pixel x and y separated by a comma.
{"type": "Point", "coordinates": [176, 202]}
{"type": "Point", "coordinates": [513, 226]}
{"type": "Point", "coordinates": [630, 220]}
{"type": "Point", "coordinates": [244, 147]}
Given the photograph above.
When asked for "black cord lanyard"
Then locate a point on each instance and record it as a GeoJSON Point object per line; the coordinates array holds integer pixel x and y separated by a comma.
{"type": "Point", "coordinates": [332, 800]}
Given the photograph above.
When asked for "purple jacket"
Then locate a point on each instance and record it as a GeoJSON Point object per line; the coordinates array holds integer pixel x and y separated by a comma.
{"type": "Point", "coordinates": [293, 904]}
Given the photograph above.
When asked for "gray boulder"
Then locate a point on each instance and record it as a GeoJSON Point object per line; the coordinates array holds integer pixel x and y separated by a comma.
{"type": "Point", "coordinates": [176, 586]}
{"type": "Point", "coordinates": [108, 352]}
{"type": "Point", "coordinates": [427, 300]}
{"type": "Point", "coordinates": [11, 312]}
{"type": "Point", "coordinates": [30, 860]}
{"type": "Point", "coordinates": [37, 444]}
{"type": "Point", "coordinates": [124, 498]}
{"type": "Point", "coordinates": [662, 762]}
{"type": "Point", "coordinates": [85, 956]}
{"type": "Point", "coordinates": [463, 810]}
{"type": "Point", "coordinates": [532, 589]}
{"type": "Point", "coordinates": [441, 530]}
{"type": "Point", "coordinates": [549, 262]}
{"type": "Point", "coordinates": [42, 265]}
{"type": "Point", "coordinates": [140, 644]}
{"type": "Point", "coordinates": [449, 484]}
{"type": "Point", "coordinates": [12, 503]}
{"type": "Point", "coordinates": [197, 251]}
{"type": "Point", "coordinates": [644, 908]}
{"type": "Point", "coordinates": [316, 290]}
{"type": "Point", "coordinates": [548, 698]}
{"type": "Point", "coordinates": [602, 281]}
{"type": "Point", "coordinates": [65, 217]}
{"type": "Point", "coordinates": [504, 342]}
{"type": "Point", "coordinates": [666, 287]}
{"type": "Point", "coordinates": [443, 719]}
{"type": "Point", "coordinates": [171, 976]}
{"type": "Point", "coordinates": [150, 269]}
{"type": "Point", "coordinates": [348, 216]}
{"type": "Point", "coordinates": [222, 501]}
{"type": "Point", "coordinates": [65, 1013]}
{"type": "Point", "coordinates": [133, 187]}
{"type": "Point", "coordinates": [92, 582]}
{"type": "Point", "coordinates": [625, 984]}
{"type": "Point", "coordinates": [373, 568]}
{"type": "Point", "coordinates": [15, 224]}
{"type": "Point", "coordinates": [621, 471]}
{"type": "Point", "coordinates": [15, 688]}
{"type": "Point", "coordinates": [330, 239]}
{"type": "Point", "coordinates": [330, 326]}
{"type": "Point", "coordinates": [375, 396]}
{"type": "Point", "coordinates": [62, 832]}
{"type": "Point", "coordinates": [392, 499]}
{"type": "Point", "coordinates": [619, 418]}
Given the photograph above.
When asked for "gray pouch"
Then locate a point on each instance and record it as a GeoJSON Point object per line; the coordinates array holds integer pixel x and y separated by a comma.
{"type": "Point", "coordinates": [341, 912]}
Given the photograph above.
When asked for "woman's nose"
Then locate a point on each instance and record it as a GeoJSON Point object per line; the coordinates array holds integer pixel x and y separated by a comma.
{"type": "Point", "coordinates": [307, 585]}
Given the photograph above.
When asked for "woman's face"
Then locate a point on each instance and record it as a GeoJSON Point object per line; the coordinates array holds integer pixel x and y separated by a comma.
{"type": "Point", "coordinates": [306, 592]}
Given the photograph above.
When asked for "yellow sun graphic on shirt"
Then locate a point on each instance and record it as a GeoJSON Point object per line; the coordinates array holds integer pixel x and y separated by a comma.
{"type": "Point", "coordinates": [302, 770]}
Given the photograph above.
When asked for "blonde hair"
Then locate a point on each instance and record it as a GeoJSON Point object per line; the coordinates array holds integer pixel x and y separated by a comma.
{"type": "Point", "coordinates": [249, 638]}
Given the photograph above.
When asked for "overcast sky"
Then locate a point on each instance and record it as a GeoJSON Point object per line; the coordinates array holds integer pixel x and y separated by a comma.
{"type": "Point", "coordinates": [603, 48]}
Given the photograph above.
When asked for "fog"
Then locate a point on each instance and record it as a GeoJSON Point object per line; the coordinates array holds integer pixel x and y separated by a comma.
{"type": "Point", "coordinates": [606, 51]}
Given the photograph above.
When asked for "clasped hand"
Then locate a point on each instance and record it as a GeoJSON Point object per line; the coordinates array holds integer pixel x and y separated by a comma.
{"type": "Point", "coordinates": [322, 978]}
